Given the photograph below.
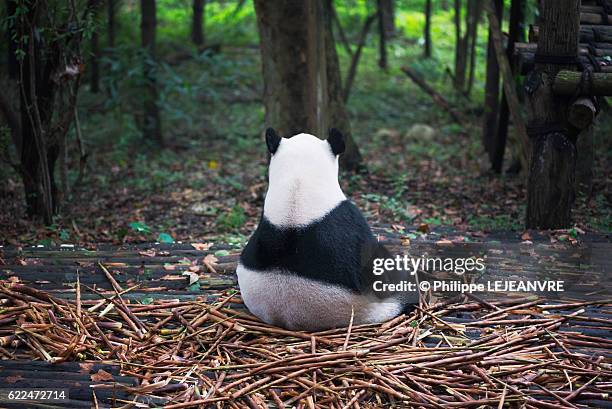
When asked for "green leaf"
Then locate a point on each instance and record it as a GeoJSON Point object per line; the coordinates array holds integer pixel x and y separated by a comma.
{"type": "Point", "coordinates": [140, 227]}
{"type": "Point", "coordinates": [165, 238]}
{"type": "Point", "coordinates": [64, 235]}
{"type": "Point", "coordinates": [146, 300]}
{"type": "Point", "coordinates": [194, 287]}
{"type": "Point", "coordinates": [221, 253]}
{"type": "Point", "coordinates": [48, 242]}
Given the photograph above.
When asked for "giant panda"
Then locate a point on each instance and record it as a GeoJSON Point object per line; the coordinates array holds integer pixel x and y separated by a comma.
{"type": "Point", "coordinates": [308, 265]}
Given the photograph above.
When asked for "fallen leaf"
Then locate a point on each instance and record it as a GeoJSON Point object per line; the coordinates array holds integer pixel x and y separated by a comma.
{"type": "Point", "coordinates": [148, 253]}
{"type": "Point", "coordinates": [102, 376]}
{"type": "Point", "coordinates": [209, 261]}
{"type": "Point", "coordinates": [201, 246]}
{"type": "Point", "coordinates": [423, 228]}
{"type": "Point", "coordinates": [193, 277]}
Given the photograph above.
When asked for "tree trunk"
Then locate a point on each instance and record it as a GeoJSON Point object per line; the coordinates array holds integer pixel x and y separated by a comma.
{"type": "Point", "coordinates": [94, 62]}
{"type": "Point", "coordinates": [491, 103]}
{"type": "Point", "coordinates": [152, 119]}
{"type": "Point", "coordinates": [444, 5]}
{"type": "Point", "coordinates": [351, 158]}
{"type": "Point", "coordinates": [197, 30]}
{"type": "Point", "coordinates": [302, 87]}
{"type": "Point", "coordinates": [428, 29]}
{"type": "Point", "coordinates": [388, 17]}
{"type": "Point", "coordinates": [382, 37]}
{"type": "Point", "coordinates": [38, 154]}
{"type": "Point", "coordinates": [474, 11]}
{"type": "Point", "coordinates": [461, 49]}
{"type": "Point", "coordinates": [517, 9]}
{"type": "Point", "coordinates": [111, 9]}
{"type": "Point", "coordinates": [13, 68]}
{"type": "Point", "coordinates": [550, 189]}
{"type": "Point", "coordinates": [352, 71]}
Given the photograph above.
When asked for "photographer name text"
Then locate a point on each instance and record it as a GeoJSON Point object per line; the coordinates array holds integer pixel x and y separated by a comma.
{"type": "Point", "coordinates": [458, 286]}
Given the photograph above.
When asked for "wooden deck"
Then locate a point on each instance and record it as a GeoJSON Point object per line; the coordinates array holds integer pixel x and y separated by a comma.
{"type": "Point", "coordinates": [160, 271]}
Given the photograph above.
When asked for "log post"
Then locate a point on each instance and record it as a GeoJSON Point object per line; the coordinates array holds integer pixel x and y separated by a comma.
{"type": "Point", "coordinates": [550, 187]}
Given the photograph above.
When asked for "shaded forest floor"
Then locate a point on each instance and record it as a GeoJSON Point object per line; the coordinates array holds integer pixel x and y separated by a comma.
{"type": "Point", "coordinates": [209, 182]}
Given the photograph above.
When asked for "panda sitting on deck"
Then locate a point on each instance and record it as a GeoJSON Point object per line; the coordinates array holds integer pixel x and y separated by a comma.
{"type": "Point", "coordinates": [308, 266]}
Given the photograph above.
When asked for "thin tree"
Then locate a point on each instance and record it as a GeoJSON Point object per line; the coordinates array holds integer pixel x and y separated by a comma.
{"type": "Point", "coordinates": [94, 61]}
{"type": "Point", "coordinates": [382, 36]}
{"type": "Point", "coordinates": [197, 29]}
{"type": "Point", "coordinates": [515, 34]}
{"type": "Point", "coordinates": [474, 13]}
{"type": "Point", "coordinates": [111, 10]}
{"type": "Point", "coordinates": [387, 8]}
{"type": "Point", "coordinates": [152, 118]}
{"type": "Point", "coordinates": [427, 29]}
{"type": "Point", "coordinates": [302, 94]}
{"type": "Point", "coordinates": [461, 49]}
{"type": "Point", "coordinates": [491, 103]}
{"type": "Point", "coordinates": [13, 69]}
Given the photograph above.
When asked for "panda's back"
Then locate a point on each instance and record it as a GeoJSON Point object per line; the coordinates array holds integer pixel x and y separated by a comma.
{"type": "Point", "coordinates": [337, 249]}
{"type": "Point", "coordinates": [313, 277]}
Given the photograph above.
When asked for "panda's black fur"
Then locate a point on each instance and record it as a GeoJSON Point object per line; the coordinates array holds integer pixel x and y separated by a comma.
{"type": "Point", "coordinates": [309, 264]}
{"type": "Point", "coordinates": [337, 249]}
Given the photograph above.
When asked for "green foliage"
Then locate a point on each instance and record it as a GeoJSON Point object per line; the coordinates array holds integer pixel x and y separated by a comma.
{"type": "Point", "coordinates": [495, 223]}
{"type": "Point", "coordinates": [140, 227]}
{"type": "Point", "coordinates": [233, 219]}
{"type": "Point", "coordinates": [165, 238]}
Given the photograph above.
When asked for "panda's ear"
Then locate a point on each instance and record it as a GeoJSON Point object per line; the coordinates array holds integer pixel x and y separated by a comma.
{"type": "Point", "coordinates": [272, 140]}
{"type": "Point", "coordinates": [336, 141]}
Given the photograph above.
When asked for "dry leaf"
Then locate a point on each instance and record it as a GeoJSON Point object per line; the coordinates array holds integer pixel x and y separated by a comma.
{"type": "Point", "coordinates": [102, 376]}
{"type": "Point", "coordinates": [201, 246]}
{"type": "Point", "coordinates": [193, 277]}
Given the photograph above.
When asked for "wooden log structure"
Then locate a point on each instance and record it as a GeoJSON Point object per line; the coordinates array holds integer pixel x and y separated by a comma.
{"type": "Point", "coordinates": [526, 62]}
{"type": "Point", "coordinates": [588, 32]}
{"type": "Point", "coordinates": [572, 83]}
{"type": "Point", "coordinates": [573, 79]}
{"type": "Point", "coordinates": [550, 192]}
{"type": "Point", "coordinates": [582, 113]}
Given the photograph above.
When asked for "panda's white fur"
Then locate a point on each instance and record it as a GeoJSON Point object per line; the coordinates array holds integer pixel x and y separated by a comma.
{"type": "Point", "coordinates": [303, 188]}
{"type": "Point", "coordinates": [298, 303]}
{"type": "Point", "coordinates": [303, 182]}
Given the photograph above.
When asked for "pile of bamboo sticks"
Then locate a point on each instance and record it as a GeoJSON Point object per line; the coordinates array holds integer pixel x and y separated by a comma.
{"type": "Point", "coordinates": [473, 353]}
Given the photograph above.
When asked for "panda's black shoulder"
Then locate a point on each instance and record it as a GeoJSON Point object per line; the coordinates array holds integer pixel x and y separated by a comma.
{"type": "Point", "coordinates": [335, 249]}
